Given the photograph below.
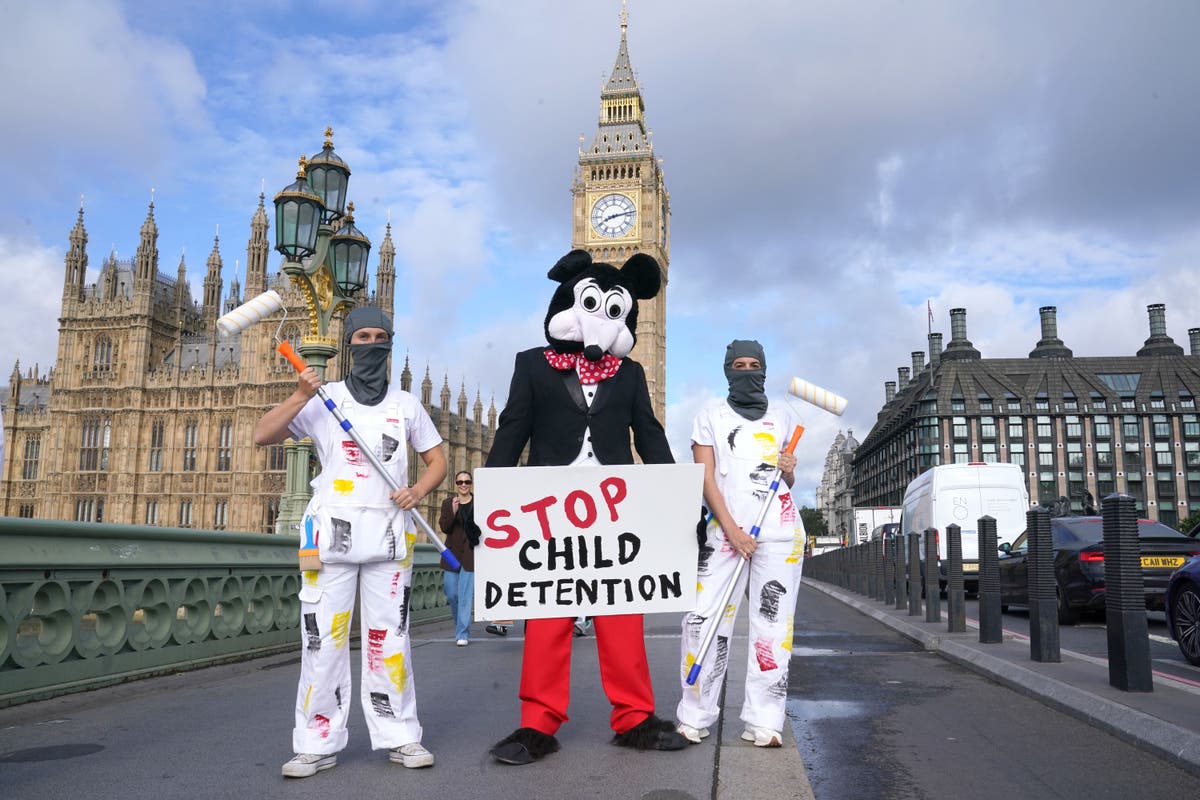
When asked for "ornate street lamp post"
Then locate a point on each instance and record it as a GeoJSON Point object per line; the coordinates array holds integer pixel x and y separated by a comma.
{"type": "Point", "coordinates": [325, 256]}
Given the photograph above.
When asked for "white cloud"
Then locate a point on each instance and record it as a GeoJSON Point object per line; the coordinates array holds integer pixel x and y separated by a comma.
{"type": "Point", "coordinates": [31, 283]}
{"type": "Point", "coordinates": [86, 91]}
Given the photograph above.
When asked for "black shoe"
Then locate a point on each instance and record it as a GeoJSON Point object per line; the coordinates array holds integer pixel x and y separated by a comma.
{"type": "Point", "coordinates": [523, 746]}
{"type": "Point", "coordinates": [497, 630]}
{"type": "Point", "coordinates": [652, 733]}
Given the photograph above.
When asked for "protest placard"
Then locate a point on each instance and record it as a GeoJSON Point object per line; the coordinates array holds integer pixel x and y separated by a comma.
{"type": "Point", "coordinates": [570, 541]}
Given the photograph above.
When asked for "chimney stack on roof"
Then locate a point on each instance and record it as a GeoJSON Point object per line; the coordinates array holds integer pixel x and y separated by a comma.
{"type": "Point", "coordinates": [935, 350]}
{"type": "Point", "coordinates": [902, 382]}
{"type": "Point", "coordinates": [889, 390]}
{"type": "Point", "coordinates": [960, 346]}
{"type": "Point", "coordinates": [1050, 345]}
{"type": "Point", "coordinates": [1194, 337]}
{"type": "Point", "coordinates": [1159, 343]}
{"type": "Point", "coordinates": [918, 362]}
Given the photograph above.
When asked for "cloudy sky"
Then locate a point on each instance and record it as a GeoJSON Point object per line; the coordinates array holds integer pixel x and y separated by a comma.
{"type": "Point", "coordinates": [833, 167]}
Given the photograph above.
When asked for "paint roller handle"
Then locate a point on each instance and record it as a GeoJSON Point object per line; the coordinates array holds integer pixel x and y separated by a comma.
{"type": "Point", "coordinates": [287, 351]}
{"type": "Point", "coordinates": [792, 442]}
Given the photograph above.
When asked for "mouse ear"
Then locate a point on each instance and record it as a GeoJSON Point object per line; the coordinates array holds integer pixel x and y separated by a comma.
{"type": "Point", "coordinates": [642, 275]}
{"type": "Point", "coordinates": [570, 265]}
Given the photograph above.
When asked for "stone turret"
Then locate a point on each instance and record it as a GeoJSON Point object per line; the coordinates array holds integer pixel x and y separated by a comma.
{"type": "Point", "coordinates": [76, 260]}
{"type": "Point", "coordinates": [212, 285]}
{"type": "Point", "coordinates": [146, 261]}
{"type": "Point", "coordinates": [385, 275]}
{"type": "Point", "coordinates": [258, 249]}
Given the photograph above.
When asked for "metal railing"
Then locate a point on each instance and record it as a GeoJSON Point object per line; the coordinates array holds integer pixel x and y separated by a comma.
{"type": "Point", "coordinates": [84, 605]}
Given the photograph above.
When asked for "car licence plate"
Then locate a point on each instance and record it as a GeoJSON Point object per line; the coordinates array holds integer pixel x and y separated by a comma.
{"type": "Point", "coordinates": [970, 567]}
{"type": "Point", "coordinates": [1162, 562]}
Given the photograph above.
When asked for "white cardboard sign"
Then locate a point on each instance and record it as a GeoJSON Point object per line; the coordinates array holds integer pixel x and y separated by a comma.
{"type": "Point", "coordinates": [571, 541]}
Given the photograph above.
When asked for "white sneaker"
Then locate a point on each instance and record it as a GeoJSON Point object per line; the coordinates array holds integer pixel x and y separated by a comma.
{"type": "Point", "coordinates": [762, 737]}
{"type": "Point", "coordinates": [693, 735]}
{"type": "Point", "coordinates": [411, 755]}
{"type": "Point", "coordinates": [462, 642]}
{"type": "Point", "coordinates": [305, 765]}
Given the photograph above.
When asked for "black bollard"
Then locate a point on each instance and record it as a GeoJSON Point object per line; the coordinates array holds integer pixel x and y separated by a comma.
{"type": "Point", "coordinates": [990, 630]}
{"type": "Point", "coordinates": [860, 573]}
{"type": "Point", "coordinates": [956, 601]}
{"type": "Point", "coordinates": [933, 591]}
{"type": "Point", "coordinates": [898, 565]}
{"type": "Point", "coordinates": [1043, 589]}
{"type": "Point", "coordinates": [877, 551]}
{"type": "Point", "coordinates": [1125, 598]}
{"type": "Point", "coordinates": [914, 573]}
{"type": "Point", "coordinates": [886, 545]}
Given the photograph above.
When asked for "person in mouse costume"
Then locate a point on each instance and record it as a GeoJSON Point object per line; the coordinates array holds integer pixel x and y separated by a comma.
{"type": "Point", "coordinates": [575, 403]}
{"type": "Point", "coordinates": [362, 530]}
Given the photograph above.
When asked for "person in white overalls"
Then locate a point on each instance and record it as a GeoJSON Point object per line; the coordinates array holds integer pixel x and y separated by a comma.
{"type": "Point", "coordinates": [363, 533]}
{"type": "Point", "coordinates": [739, 441]}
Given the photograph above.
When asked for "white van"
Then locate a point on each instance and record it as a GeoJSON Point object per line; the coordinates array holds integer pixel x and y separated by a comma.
{"type": "Point", "coordinates": [961, 494]}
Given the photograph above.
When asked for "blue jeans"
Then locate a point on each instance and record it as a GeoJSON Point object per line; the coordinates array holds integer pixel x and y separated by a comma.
{"type": "Point", "coordinates": [460, 591]}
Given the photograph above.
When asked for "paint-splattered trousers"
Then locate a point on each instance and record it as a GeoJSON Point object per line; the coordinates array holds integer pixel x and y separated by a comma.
{"type": "Point", "coordinates": [387, 688]}
{"type": "Point", "coordinates": [773, 576]}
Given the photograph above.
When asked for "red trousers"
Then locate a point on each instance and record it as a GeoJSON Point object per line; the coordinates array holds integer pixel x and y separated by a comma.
{"type": "Point", "coordinates": [546, 671]}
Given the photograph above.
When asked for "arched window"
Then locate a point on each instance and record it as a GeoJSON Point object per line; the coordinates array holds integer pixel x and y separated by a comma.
{"type": "Point", "coordinates": [102, 354]}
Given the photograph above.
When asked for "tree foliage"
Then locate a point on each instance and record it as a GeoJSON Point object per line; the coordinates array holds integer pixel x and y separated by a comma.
{"type": "Point", "coordinates": [814, 523]}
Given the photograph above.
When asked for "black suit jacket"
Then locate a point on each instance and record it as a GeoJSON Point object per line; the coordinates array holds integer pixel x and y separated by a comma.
{"type": "Point", "coordinates": [546, 408]}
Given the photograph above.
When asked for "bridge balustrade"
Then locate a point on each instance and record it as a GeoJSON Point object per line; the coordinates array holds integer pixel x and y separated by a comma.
{"type": "Point", "coordinates": [88, 604]}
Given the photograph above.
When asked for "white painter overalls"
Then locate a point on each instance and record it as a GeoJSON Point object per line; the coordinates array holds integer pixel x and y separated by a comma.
{"type": "Point", "coordinates": [746, 453]}
{"type": "Point", "coordinates": [365, 542]}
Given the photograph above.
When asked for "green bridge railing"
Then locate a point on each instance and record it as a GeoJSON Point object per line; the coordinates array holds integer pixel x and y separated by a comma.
{"type": "Point", "coordinates": [84, 604]}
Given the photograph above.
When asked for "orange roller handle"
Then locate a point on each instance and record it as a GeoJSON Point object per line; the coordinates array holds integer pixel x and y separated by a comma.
{"type": "Point", "coordinates": [287, 351]}
{"type": "Point", "coordinates": [791, 445]}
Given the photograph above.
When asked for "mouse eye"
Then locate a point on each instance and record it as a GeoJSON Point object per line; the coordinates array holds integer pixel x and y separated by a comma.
{"type": "Point", "coordinates": [591, 298]}
{"type": "Point", "coordinates": [616, 304]}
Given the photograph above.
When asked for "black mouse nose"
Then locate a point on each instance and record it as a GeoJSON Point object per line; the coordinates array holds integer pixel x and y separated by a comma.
{"type": "Point", "coordinates": [593, 352]}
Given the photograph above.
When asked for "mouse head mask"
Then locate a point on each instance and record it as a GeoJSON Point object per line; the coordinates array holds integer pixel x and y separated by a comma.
{"type": "Point", "coordinates": [594, 310]}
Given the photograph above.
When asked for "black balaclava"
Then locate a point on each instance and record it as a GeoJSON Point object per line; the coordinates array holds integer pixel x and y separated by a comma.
{"type": "Point", "coordinates": [368, 378]}
{"type": "Point", "coordinates": [747, 393]}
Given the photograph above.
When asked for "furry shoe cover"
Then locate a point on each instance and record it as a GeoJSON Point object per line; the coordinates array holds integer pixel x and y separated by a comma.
{"type": "Point", "coordinates": [652, 733]}
{"type": "Point", "coordinates": [524, 746]}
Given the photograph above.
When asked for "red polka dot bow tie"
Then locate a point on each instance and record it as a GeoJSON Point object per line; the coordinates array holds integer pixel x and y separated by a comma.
{"type": "Point", "coordinates": [589, 371]}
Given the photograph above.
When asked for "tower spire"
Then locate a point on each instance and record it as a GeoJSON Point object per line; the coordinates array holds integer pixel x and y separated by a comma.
{"type": "Point", "coordinates": [76, 259]}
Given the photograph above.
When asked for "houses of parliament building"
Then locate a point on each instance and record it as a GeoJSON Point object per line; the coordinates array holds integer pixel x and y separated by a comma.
{"type": "Point", "coordinates": [146, 416]}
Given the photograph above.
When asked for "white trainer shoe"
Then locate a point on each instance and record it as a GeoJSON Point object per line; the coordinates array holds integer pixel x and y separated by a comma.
{"type": "Point", "coordinates": [463, 642]}
{"type": "Point", "coordinates": [305, 765]}
{"type": "Point", "coordinates": [762, 737]}
{"type": "Point", "coordinates": [693, 735]}
{"type": "Point", "coordinates": [411, 755]}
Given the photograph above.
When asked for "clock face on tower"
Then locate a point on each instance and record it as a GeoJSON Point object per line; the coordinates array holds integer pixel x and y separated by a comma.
{"type": "Point", "coordinates": [613, 215]}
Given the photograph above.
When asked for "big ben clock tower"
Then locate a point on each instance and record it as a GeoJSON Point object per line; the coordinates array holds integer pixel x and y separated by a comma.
{"type": "Point", "coordinates": [622, 207]}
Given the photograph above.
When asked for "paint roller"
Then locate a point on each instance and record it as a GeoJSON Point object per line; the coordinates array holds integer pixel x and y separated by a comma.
{"type": "Point", "coordinates": [254, 310]}
{"type": "Point", "coordinates": [819, 397]}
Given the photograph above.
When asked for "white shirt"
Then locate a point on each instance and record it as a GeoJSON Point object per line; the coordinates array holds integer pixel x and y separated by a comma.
{"type": "Point", "coordinates": [746, 453]}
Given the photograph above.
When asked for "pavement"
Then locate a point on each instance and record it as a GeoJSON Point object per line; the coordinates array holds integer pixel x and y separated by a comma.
{"type": "Point", "coordinates": [1165, 722]}
{"type": "Point", "coordinates": [225, 731]}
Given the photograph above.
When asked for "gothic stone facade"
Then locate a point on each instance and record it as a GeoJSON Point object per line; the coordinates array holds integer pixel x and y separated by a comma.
{"type": "Point", "coordinates": [146, 416]}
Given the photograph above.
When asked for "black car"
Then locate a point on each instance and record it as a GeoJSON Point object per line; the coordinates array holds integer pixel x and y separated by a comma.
{"type": "Point", "coordinates": [1078, 544]}
{"type": "Point", "coordinates": [1183, 609]}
